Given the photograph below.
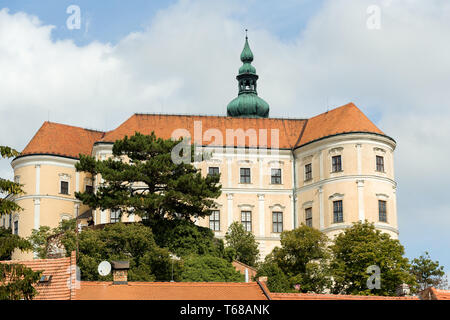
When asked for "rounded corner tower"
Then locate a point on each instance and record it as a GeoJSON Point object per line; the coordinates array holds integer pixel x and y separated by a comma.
{"type": "Point", "coordinates": [247, 104]}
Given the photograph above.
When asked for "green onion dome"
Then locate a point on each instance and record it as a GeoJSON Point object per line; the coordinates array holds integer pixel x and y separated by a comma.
{"type": "Point", "coordinates": [247, 104]}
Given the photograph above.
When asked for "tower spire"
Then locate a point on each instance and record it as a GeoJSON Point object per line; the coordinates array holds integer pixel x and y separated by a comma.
{"type": "Point", "coordinates": [247, 104]}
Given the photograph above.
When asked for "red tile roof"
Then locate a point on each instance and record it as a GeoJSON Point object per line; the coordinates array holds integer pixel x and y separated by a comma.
{"type": "Point", "coordinates": [63, 273]}
{"type": "Point", "coordinates": [434, 294]}
{"type": "Point", "coordinates": [315, 296]}
{"type": "Point", "coordinates": [64, 140]}
{"type": "Point", "coordinates": [239, 266]}
{"type": "Point", "coordinates": [60, 139]}
{"type": "Point", "coordinates": [170, 291]}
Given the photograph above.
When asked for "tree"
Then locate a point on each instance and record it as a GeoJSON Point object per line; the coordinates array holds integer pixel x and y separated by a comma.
{"type": "Point", "coordinates": [9, 242]}
{"type": "Point", "coordinates": [362, 246]}
{"type": "Point", "coordinates": [10, 188]}
{"type": "Point", "coordinates": [17, 282]}
{"type": "Point", "coordinates": [428, 273]}
{"type": "Point", "coordinates": [142, 178]}
{"type": "Point", "coordinates": [302, 259]}
{"type": "Point", "coordinates": [243, 243]}
{"type": "Point", "coordinates": [183, 238]}
{"type": "Point", "coordinates": [210, 269]}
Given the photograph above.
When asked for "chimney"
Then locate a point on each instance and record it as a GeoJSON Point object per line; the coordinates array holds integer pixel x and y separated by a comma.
{"type": "Point", "coordinates": [403, 290]}
{"type": "Point", "coordinates": [246, 274]}
{"type": "Point", "coordinates": [120, 271]}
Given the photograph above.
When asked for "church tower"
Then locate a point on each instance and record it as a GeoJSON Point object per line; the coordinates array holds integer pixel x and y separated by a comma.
{"type": "Point", "coordinates": [247, 104]}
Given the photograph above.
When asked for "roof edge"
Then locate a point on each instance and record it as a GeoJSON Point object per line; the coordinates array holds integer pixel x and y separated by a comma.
{"type": "Point", "coordinates": [345, 133]}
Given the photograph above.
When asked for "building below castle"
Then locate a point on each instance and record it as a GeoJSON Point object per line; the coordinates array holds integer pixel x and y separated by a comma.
{"type": "Point", "coordinates": [326, 172]}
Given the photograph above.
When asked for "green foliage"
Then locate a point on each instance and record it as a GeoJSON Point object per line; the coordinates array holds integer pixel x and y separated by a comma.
{"type": "Point", "coordinates": [243, 243]}
{"type": "Point", "coordinates": [141, 178]}
{"type": "Point", "coordinates": [183, 237]}
{"type": "Point", "coordinates": [209, 268]}
{"type": "Point", "coordinates": [301, 260]}
{"type": "Point", "coordinates": [16, 282]}
{"type": "Point", "coordinates": [428, 273]}
{"type": "Point", "coordinates": [7, 187]}
{"type": "Point", "coordinates": [9, 242]}
{"type": "Point", "coordinates": [119, 241]}
{"type": "Point", "coordinates": [361, 246]}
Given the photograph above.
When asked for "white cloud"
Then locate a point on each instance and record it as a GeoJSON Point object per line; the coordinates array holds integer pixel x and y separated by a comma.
{"type": "Point", "coordinates": [187, 59]}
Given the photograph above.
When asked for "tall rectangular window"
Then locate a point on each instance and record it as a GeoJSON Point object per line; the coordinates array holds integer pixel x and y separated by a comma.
{"type": "Point", "coordinates": [246, 220]}
{"type": "Point", "coordinates": [380, 163]}
{"type": "Point", "coordinates": [308, 217]}
{"type": "Point", "coordinates": [308, 172]}
{"type": "Point", "coordinates": [382, 213]}
{"type": "Point", "coordinates": [338, 215]}
{"type": "Point", "coordinates": [16, 227]}
{"type": "Point", "coordinates": [114, 216]}
{"type": "Point", "coordinates": [245, 175]}
{"type": "Point", "coordinates": [277, 222]}
{"type": "Point", "coordinates": [214, 220]}
{"type": "Point", "coordinates": [64, 187]}
{"type": "Point", "coordinates": [276, 176]}
{"type": "Point", "coordinates": [213, 171]}
{"type": "Point", "coordinates": [336, 163]}
{"type": "Point", "coordinates": [89, 189]}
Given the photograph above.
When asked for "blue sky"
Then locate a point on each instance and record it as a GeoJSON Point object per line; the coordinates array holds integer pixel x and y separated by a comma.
{"type": "Point", "coordinates": [182, 57]}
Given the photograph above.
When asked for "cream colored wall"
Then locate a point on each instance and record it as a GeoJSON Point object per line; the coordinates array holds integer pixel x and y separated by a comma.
{"type": "Point", "coordinates": [358, 153]}
{"type": "Point", "coordinates": [359, 185]}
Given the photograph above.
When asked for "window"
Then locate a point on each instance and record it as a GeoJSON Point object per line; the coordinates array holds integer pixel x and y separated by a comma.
{"type": "Point", "coordinates": [336, 164]}
{"type": "Point", "coordinates": [213, 171]}
{"type": "Point", "coordinates": [114, 216]}
{"type": "Point", "coordinates": [276, 176]}
{"type": "Point", "coordinates": [382, 211]}
{"type": "Point", "coordinates": [308, 217]}
{"type": "Point", "coordinates": [64, 187]}
{"type": "Point", "coordinates": [16, 227]}
{"type": "Point", "coordinates": [10, 221]}
{"type": "Point", "coordinates": [214, 220]}
{"type": "Point", "coordinates": [245, 175]}
{"type": "Point", "coordinates": [380, 163]}
{"type": "Point", "coordinates": [89, 189]}
{"type": "Point", "coordinates": [277, 222]}
{"type": "Point", "coordinates": [246, 220]}
{"type": "Point", "coordinates": [308, 172]}
{"type": "Point", "coordinates": [337, 211]}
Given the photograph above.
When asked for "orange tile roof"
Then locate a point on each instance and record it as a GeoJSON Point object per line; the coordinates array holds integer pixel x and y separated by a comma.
{"type": "Point", "coordinates": [345, 119]}
{"type": "Point", "coordinates": [315, 296]}
{"type": "Point", "coordinates": [64, 140]}
{"type": "Point", "coordinates": [170, 291]}
{"type": "Point", "coordinates": [70, 141]}
{"type": "Point", "coordinates": [239, 266]}
{"type": "Point", "coordinates": [165, 125]}
{"type": "Point", "coordinates": [58, 287]}
{"type": "Point", "coordinates": [434, 294]}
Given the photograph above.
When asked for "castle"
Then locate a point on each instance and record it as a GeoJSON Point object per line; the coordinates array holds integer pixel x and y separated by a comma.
{"type": "Point", "coordinates": [276, 173]}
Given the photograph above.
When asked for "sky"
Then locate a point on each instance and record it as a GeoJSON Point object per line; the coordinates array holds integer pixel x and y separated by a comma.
{"type": "Point", "coordinates": [389, 57]}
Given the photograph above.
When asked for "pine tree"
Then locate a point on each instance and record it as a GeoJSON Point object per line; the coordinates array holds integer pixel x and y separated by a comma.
{"type": "Point", "coordinates": [141, 178]}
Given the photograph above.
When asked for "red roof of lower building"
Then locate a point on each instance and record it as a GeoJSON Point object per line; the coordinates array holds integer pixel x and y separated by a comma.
{"type": "Point", "coordinates": [92, 290]}
{"type": "Point", "coordinates": [434, 294]}
{"type": "Point", "coordinates": [62, 271]}
{"type": "Point", "coordinates": [316, 296]}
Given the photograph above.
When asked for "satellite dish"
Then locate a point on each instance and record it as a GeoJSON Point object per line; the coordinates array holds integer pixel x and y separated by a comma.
{"type": "Point", "coordinates": [104, 268]}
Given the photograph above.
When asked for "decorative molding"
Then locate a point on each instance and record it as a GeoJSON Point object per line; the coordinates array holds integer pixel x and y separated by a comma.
{"type": "Point", "coordinates": [336, 150]}
{"type": "Point", "coordinates": [307, 159]}
{"type": "Point", "coordinates": [244, 162]}
{"type": "Point", "coordinates": [260, 196]}
{"type": "Point", "coordinates": [246, 206]}
{"type": "Point", "coordinates": [382, 196]}
{"type": "Point", "coordinates": [229, 196]}
{"type": "Point", "coordinates": [64, 176]}
{"type": "Point", "coordinates": [307, 204]}
{"type": "Point", "coordinates": [277, 206]}
{"type": "Point", "coordinates": [378, 150]}
{"type": "Point", "coordinates": [336, 196]}
{"type": "Point", "coordinates": [360, 183]}
{"type": "Point", "coordinates": [279, 163]}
